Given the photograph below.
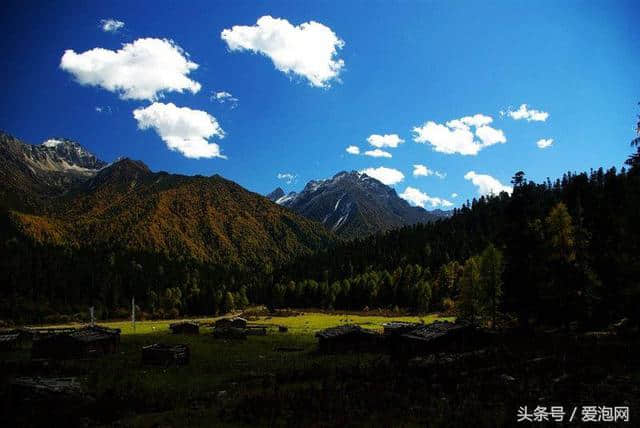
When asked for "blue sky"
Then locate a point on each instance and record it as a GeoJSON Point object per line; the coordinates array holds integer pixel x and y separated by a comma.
{"type": "Point", "coordinates": [404, 64]}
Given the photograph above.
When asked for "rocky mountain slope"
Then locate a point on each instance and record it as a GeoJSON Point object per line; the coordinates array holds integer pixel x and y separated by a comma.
{"type": "Point", "coordinates": [31, 174]}
{"type": "Point", "coordinates": [354, 205]}
{"type": "Point", "coordinates": [59, 194]}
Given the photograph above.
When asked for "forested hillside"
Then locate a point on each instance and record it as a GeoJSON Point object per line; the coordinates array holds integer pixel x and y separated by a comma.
{"type": "Point", "coordinates": [553, 252]}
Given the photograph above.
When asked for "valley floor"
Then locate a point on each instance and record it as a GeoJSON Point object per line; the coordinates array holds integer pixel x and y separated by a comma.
{"type": "Point", "coordinates": [281, 380]}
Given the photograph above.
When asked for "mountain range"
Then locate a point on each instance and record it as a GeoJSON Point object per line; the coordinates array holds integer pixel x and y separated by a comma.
{"type": "Point", "coordinates": [353, 204]}
{"type": "Point", "coordinates": [60, 194]}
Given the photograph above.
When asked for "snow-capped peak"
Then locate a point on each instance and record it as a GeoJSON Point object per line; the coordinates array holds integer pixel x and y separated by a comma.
{"type": "Point", "coordinates": [52, 142]}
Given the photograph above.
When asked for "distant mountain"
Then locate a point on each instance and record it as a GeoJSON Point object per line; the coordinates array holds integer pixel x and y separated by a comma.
{"type": "Point", "coordinates": [30, 174]}
{"type": "Point", "coordinates": [276, 194]}
{"type": "Point", "coordinates": [60, 194]}
{"type": "Point", "coordinates": [354, 205]}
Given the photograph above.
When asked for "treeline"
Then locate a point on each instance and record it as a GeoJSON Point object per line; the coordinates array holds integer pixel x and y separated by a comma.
{"type": "Point", "coordinates": [551, 252]}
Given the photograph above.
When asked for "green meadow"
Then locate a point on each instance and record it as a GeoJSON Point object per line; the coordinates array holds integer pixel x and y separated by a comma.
{"type": "Point", "coordinates": [220, 372]}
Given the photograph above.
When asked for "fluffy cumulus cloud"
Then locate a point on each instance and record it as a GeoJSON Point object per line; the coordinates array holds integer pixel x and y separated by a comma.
{"type": "Point", "coordinates": [377, 153]}
{"type": "Point", "coordinates": [309, 50]}
{"type": "Point", "coordinates": [140, 70]}
{"type": "Point", "coordinates": [287, 177]}
{"type": "Point", "coordinates": [466, 136]}
{"type": "Point", "coordinates": [544, 143]}
{"type": "Point", "coordinates": [388, 176]}
{"type": "Point", "coordinates": [224, 97]}
{"type": "Point", "coordinates": [454, 195]}
{"type": "Point", "coordinates": [524, 112]}
{"type": "Point", "coordinates": [111, 25]}
{"type": "Point", "coordinates": [486, 184]}
{"type": "Point", "coordinates": [353, 150]}
{"type": "Point", "coordinates": [387, 140]}
{"type": "Point", "coordinates": [418, 198]}
{"type": "Point", "coordinates": [182, 129]}
{"type": "Point", "coordinates": [424, 171]}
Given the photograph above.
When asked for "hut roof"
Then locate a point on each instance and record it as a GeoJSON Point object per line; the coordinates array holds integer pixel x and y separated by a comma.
{"type": "Point", "coordinates": [435, 330]}
{"type": "Point", "coordinates": [93, 333]}
{"type": "Point", "coordinates": [9, 337]}
{"type": "Point", "coordinates": [184, 324]}
{"type": "Point", "coordinates": [343, 331]}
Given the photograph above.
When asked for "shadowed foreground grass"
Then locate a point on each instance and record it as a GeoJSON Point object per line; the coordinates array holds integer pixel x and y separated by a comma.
{"type": "Point", "coordinates": [220, 370]}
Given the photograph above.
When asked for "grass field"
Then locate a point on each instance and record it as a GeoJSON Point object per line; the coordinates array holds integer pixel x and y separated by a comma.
{"type": "Point", "coordinates": [219, 372]}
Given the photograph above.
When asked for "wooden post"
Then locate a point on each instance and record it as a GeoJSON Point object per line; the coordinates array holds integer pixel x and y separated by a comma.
{"type": "Point", "coordinates": [133, 313]}
{"type": "Point", "coordinates": [91, 316]}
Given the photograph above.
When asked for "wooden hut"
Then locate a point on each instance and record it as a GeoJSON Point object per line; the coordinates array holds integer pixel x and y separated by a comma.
{"type": "Point", "coordinates": [396, 328]}
{"type": "Point", "coordinates": [235, 322]}
{"type": "Point", "coordinates": [439, 336]}
{"type": "Point", "coordinates": [82, 343]}
{"type": "Point", "coordinates": [166, 355]}
{"type": "Point", "coordinates": [348, 337]}
{"type": "Point", "coordinates": [9, 340]}
{"type": "Point", "coordinates": [185, 327]}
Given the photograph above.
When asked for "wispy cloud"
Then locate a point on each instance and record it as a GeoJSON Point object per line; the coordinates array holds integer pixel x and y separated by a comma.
{"type": "Point", "coordinates": [388, 176]}
{"type": "Point", "coordinates": [111, 25]}
{"type": "Point", "coordinates": [423, 171]}
{"type": "Point", "coordinates": [524, 112]}
{"type": "Point", "coordinates": [353, 150]}
{"type": "Point", "coordinates": [377, 153]}
{"type": "Point", "coordinates": [418, 198]}
{"type": "Point", "coordinates": [287, 177]}
{"type": "Point", "coordinates": [466, 136]}
{"type": "Point", "coordinates": [486, 184]}
{"type": "Point", "coordinates": [223, 97]}
{"type": "Point", "coordinates": [544, 143]}
{"type": "Point", "coordinates": [387, 140]}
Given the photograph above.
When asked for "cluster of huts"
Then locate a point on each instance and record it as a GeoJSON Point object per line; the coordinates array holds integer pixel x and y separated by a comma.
{"type": "Point", "coordinates": [401, 337]}
{"type": "Point", "coordinates": [94, 341]}
{"type": "Point", "coordinates": [63, 343]}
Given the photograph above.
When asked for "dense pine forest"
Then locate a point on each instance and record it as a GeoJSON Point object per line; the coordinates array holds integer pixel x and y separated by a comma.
{"type": "Point", "coordinates": [554, 253]}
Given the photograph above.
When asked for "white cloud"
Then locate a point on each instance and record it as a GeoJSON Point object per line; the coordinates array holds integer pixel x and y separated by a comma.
{"type": "Point", "coordinates": [182, 129]}
{"type": "Point", "coordinates": [387, 140]}
{"type": "Point", "coordinates": [388, 176]}
{"type": "Point", "coordinates": [457, 136]}
{"type": "Point", "coordinates": [353, 150]}
{"type": "Point", "coordinates": [287, 177]}
{"type": "Point", "coordinates": [523, 112]}
{"type": "Point", "coordinates": [377, 153]}
{"type": "Point", "coordinates": [454, 195]}
{"type": "Point", "coordinates": [225, 97]}
{"type": "Point", "coordinates": [424, 171]}
{"type": "Point", "coordinates": [111, 25]}
{"type": "Point", "coordinates": [486, 184]}
{"type": "Point", "coordinates": [140, 70]}
{"type": "Point", "coordinates": [544, 143]}
{"type": "Point", "coordinates": [416, 197]}
{"type": "Point", "coordinates": [105, 109]}
{"type": "Point", "coordinates": [309, 49]}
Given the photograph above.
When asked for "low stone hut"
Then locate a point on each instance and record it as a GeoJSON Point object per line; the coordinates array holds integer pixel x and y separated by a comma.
{"type": "Point", "coordinates": [235, 322]}
{"type": "Point", "coordinates": [81, 343]}
{"type": "Point", "coordinates": [396, 328]}
{"type": "Point", "coordinates": [166, 355]}
{"type": "Point", "coordinates": [9, 340]}
{"type": "Point", "coordinates": [439, 336]}
{"type": "Point", "coordinates": [230, 333]}
{"type": "Point", "coordinates": [185, 327]}
{"type": "Point", "coordinates": [348, 337]}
